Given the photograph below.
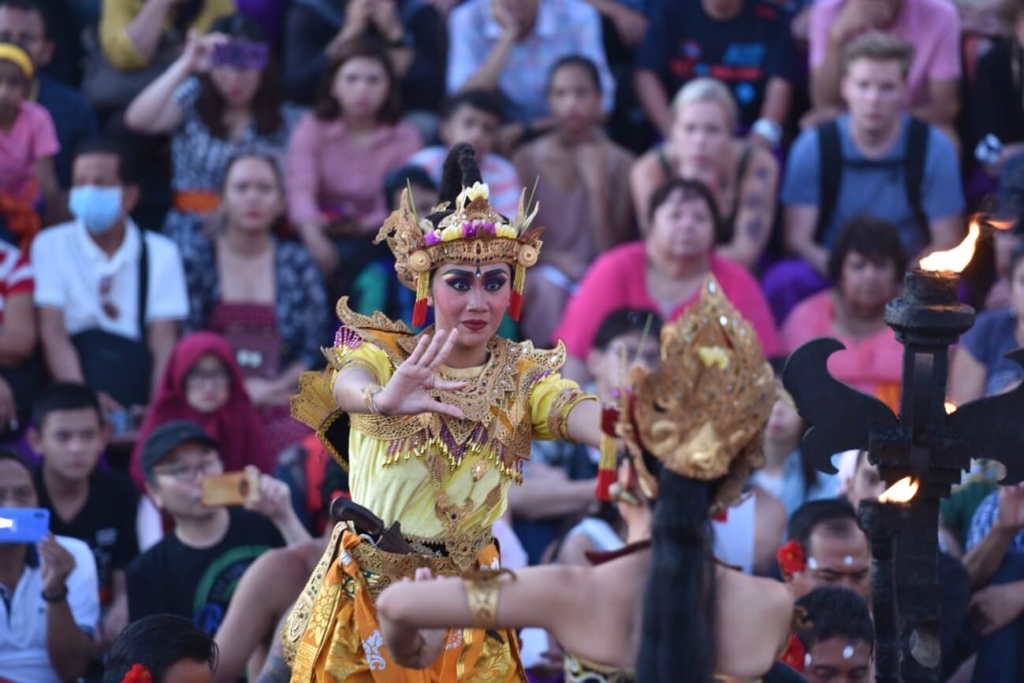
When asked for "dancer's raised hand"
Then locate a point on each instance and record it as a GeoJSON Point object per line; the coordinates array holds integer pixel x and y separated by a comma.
{"type": "Point", "coordinates": [408, 391]}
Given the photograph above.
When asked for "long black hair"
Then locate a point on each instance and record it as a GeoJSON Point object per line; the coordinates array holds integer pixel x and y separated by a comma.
{"type": "Point", "coordinates": [266, 103]}
{"type": "Point", "coordinates": [679, 604]}
{"type": "Point", "coordinates": [158, 642]}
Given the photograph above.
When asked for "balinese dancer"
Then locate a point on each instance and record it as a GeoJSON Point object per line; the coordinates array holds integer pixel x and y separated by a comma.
{"type": "Point", "coordinates": [661, 610]}
{"type": "Point", "coordinates": [440, 425]}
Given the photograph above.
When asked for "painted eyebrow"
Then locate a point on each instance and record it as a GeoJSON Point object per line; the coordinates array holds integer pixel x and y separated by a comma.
{"type": "Point", "coordinates": [496, 271]}
{"type": "Point", "coordinates": [457, 273]}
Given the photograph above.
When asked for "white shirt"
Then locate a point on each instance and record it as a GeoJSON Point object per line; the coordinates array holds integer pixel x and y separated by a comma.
{"type": "Point", "coordinates": [70, 268]}
{"type": "Point", "coordinates": [23, 654]}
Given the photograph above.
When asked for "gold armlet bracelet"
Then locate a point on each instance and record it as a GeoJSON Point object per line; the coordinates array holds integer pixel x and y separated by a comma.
{"type": "Point", "coordinates": [482, 589]}
{"type": "Point", "coordinates": [370, 392]}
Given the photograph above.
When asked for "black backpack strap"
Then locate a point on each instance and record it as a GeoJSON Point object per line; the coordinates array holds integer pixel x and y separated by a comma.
{"type": "Point", "coordinates": [917, 153]}
{"type": "Point", "coordinates": [830, 170]}
{"type": "Point", "coordinates": [143, 284]}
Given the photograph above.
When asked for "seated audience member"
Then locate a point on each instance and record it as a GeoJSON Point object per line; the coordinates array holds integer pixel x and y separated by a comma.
{"type": "Point", "coordinates": [999, 90]}
{"type": "Point", "coordinates": [663, 273]}
{"type": "Point", "coordinates": [475, 117]}
{"type": "Point", "coordinates": [957, 511]}
{"type": "Point", "coordinates": [316, 32]}
{"type": "Point", "coordinates": [50, 607]}
{"type": "Point", "coordinates": [786, 475]}
{"type": "Point", "coordinates": [743, 177]}
{"type": "Point", "coordinates": [930, 28]}
{"type": "Point", "coordinates": [582, 193]}
{"type": "Point", "coordinates": [133, 34]}
{"type": "Point", "coordinates": [511, 46]}
{"type": "Point", "coordinates": [28, 181]}
{"type": "Point", "coordinates": [23, 22]}
{"type": "Point", "coordinates": [840, 643]}
{"type": "Point", "coordinates": [162, 648]}
{"type": "Point", "coordinates": [559, 481]}
{"type": "Point", "coordinates": [832, 549]}
{"type": "Point", "coordinates": [340, 153]}
{"type": "Point", "coordinates": [866, 265]}
{"type": "Point", "coordinates": [874, 161]}
{"type": "Point", "coordinates": [264, 294]}
{"type": "Point", "coordinates": [87, 502]}
{"type": "Point", "coordinates": [745, 43]}
{"type": "Point", "coordinates": [269, 588]}
{"type": "Point", "coordinates": [979, 367]}
{"type": "Point", "coordinates": [203, 384]}
{"type": "Point", "coordinates": [193, 571]}
{"type": "Point", "coordinates": [110, 296]}
{"type": "Point", "coordinates": [995, 565]}
{"type": "Point", "coordinates": [219, 98]}
{"type": "Point", "coordinates": [866, 483]}
{"type": "Point", "coordinates": [19, 369]}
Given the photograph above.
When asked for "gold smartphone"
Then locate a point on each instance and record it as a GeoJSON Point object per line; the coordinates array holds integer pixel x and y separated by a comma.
{"type": "Point", "coordinates": [231, 488]}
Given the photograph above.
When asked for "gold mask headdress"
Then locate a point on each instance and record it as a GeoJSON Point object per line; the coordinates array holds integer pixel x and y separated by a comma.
{"type": "Point", "coordinates": [467, 230]}
{"type": "Point", "coordinates": [703, 413]}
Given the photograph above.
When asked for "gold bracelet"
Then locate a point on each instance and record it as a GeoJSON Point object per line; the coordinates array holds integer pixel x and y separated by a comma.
{"type": "Point", "coordinates": [482, 589]}
{"type": "Point", "coordinates": [370, 392]}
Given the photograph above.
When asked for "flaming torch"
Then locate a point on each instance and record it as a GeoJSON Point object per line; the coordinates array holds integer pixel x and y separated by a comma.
{"type": "Point", "coordinates": [922, 451]}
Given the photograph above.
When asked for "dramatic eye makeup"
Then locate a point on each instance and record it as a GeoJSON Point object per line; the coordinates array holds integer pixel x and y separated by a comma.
{"type": "Point", "coordinates": [462, 280]}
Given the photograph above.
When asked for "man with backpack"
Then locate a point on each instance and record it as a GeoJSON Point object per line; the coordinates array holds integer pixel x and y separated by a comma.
{"type": "Point", "coordinates": [874, 161]}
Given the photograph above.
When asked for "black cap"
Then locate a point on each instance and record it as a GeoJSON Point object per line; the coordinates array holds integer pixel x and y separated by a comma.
{"type": "Point", "coordinates": [169, 436]}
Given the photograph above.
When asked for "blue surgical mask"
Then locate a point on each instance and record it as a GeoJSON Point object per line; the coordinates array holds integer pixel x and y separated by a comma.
{"type": "Point", "coordinates": [97, 207]}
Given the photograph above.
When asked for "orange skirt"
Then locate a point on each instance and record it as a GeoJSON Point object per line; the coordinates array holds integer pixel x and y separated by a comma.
{"type": "Point", "coordinates": [332, 635]}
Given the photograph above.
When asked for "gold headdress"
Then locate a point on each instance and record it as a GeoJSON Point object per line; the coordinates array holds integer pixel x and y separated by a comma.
{"type": "Point", "coordinates": [703, 413]}
{"type": "Point", "coordinates": [467, 230]}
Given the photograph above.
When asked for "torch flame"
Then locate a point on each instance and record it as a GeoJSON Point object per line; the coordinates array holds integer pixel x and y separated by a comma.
{"type": "Point", "coordinates": [900, 492]}
{"type": "Point", "coordinates": [999, 224]}
{"type": "Point", "coordinates": [950, 407]}
{"type": "Point", "coordinates": [955, 259]}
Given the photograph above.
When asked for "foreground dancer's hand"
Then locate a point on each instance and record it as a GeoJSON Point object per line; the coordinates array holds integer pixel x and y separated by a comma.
{"type": "Point", "coordinates": [408, 390]}
{"type": "Point", "coordinates": [415, 648]}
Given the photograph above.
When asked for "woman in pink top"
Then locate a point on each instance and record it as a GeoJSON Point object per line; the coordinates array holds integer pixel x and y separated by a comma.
{"type": "Point", "coordinates": [340, 154]}
{"type": "Point", "coordinates": [663, 273]}
{"type": "Point", "coordinates": [867, 265]}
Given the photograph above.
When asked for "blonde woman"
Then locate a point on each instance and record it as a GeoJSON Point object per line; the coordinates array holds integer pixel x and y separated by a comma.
{"type": "Point", "coordinates": [702, 146]}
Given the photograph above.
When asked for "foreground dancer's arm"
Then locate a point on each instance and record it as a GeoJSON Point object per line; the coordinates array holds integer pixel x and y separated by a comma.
{"type": "Point", "coordinates": [406, 393]}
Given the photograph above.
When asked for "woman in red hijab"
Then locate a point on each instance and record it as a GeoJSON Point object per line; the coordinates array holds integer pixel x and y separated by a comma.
{"type": "Point", "coordinates": [203, 383]}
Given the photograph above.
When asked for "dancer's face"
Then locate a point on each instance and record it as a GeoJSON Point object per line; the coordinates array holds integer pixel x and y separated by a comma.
{"type": "Point", "coordinates": [471, 299]}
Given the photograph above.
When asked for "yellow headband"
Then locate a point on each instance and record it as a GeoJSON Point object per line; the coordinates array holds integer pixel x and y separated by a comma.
{"type": "Point", "coordinates": [15, 53]}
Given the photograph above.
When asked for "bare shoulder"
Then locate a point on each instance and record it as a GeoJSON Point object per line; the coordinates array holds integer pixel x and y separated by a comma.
{"type": "Point", "coordinates": [281, 568]}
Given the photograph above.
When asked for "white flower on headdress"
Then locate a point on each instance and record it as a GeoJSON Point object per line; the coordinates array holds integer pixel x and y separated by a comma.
{"type": "Point", "coordinates": [477, 191]}
{"type": "Point", "coordinates": [713, 356]}
{"type": "Point", "coordinates": [452, 232]}
{"type": "Point", "coordinates": [505, 230]}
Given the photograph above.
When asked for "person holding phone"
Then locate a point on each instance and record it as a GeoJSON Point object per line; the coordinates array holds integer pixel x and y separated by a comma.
{"type": "Point", "coordinates": [50, 606]}
{"type": "Point", "coordinates": [193, 571]}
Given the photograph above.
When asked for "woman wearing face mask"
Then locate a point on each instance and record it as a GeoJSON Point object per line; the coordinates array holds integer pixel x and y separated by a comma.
{"type": "Point", "coordinates": [266, 296]}
{"type": "Point", "coordinates": [866, 264]}
{"type": "Point", "coordinates": [663, 273]}
{"type": "Point", "coordinates": [440, 425]}
{"type": "Point", "coordinates": [663, 605]}
{"type": "Point", "coordinates": [222, 95]}
{"type": "Point", "coordinates": [743, 178]}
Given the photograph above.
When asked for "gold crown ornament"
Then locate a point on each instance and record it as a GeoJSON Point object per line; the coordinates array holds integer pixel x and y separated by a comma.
{"type": "Point", "coordinates": [703, 413]}
{"type": "Point", "coordinates": [472, 233]}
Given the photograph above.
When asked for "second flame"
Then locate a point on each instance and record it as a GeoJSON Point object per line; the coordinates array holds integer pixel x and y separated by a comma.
{"type": "Point", "coordinates": [902, 491]}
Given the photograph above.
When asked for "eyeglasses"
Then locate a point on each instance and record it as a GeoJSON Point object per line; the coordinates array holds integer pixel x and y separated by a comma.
{"type": "Point", "coordinates": [190, 473]}
{"type": "Point", "coordinates": [216, 378]}
{"type": "Point", "coordinates": [107, 304]}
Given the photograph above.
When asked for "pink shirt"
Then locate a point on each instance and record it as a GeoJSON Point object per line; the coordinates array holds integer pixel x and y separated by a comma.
{"type": "Point", "coordinates": [618, 279]}
{"type": "Point", "coordinates": [931, 26]}
{"type": "Point", "coordinates": [866, 364]}
{"type": "Point", "coordinates": [328, 174]}
{"type": "Point", "coordinates": [32, 137]}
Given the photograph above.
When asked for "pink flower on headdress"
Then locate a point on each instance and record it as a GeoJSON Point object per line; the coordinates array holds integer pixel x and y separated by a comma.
{"type": "Point", "coordinates": [432, 238]}
{"type": "Point", "coordinates": [470, 228]}
{"type": "Point", "coordinates": [488, 226]}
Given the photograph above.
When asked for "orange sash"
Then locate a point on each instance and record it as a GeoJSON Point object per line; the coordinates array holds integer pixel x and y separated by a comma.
{"type": "Point", "coordinates": [196, 201]}
{"type": "Point", "coordinates": [22, 218]}
{"type": "Point", "coordinates": [342, 642]}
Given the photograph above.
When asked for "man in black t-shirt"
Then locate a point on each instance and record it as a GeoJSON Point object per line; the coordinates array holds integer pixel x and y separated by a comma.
{"type": "Point", "coordinates": [193, 571]}
{"type": "Point", "coordinates": [746, 44]}
{"type": "Point", "coordinates": [92, 504]}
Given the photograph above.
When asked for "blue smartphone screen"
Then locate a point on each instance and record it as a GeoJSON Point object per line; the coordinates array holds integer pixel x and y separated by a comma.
{"type": "Point", "coordinates": [24, 525]}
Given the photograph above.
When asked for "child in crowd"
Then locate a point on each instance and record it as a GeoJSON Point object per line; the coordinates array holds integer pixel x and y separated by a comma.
{"type": "Point", "coordinates": [162, 649]}
{"type": "Point", "coordinates": [475, 117]}
{"type": "Point", "coordinates": [93, 504]}
{"type": "Point", "coordinates": [340, 154]}
{"type": "Point", "coordinates": [840, 644]}
{"type": "Point", "coordinates": [582, 190]}
{"type": "Point", "coordinates": [28, 143]}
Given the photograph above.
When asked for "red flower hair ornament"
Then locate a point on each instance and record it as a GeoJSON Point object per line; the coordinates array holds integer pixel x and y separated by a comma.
{"type": "Point", "coordinates": [795, 654]}
{"type": "Point", "coordinates": [791, 558]}
{"type": "Point", "coordinates": [139, 673]}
